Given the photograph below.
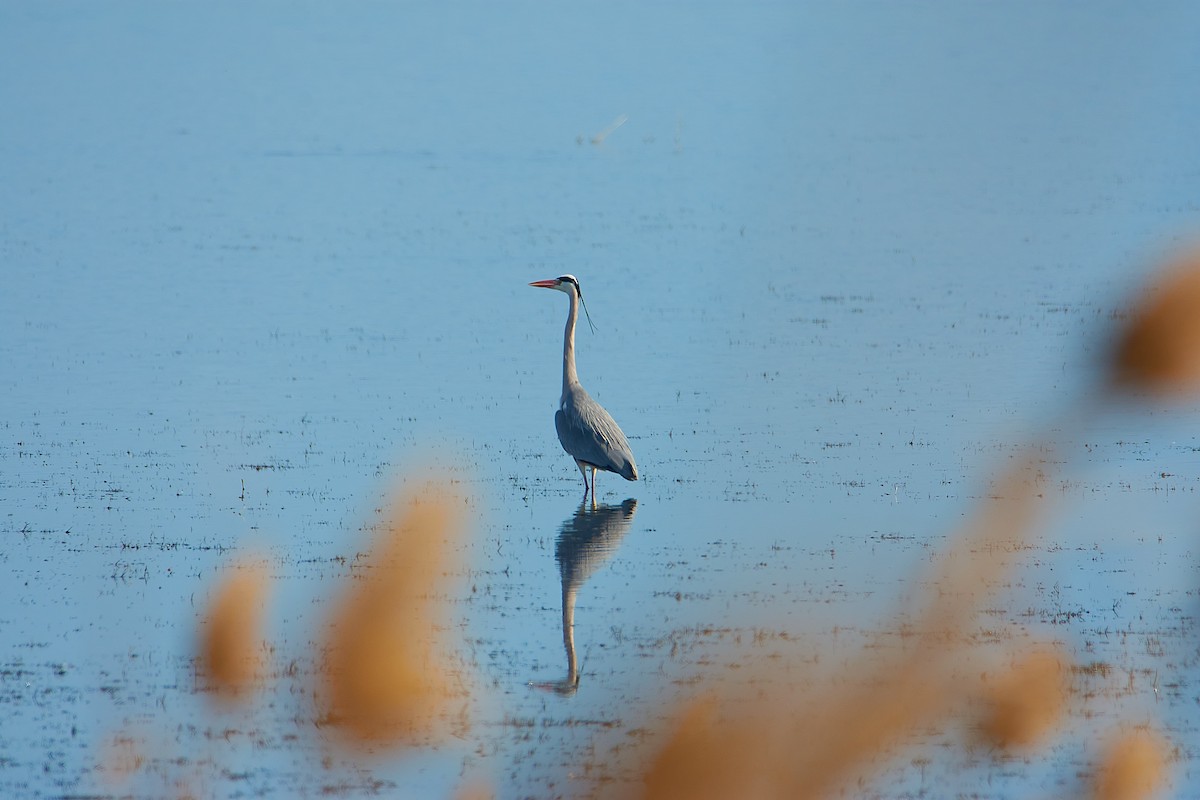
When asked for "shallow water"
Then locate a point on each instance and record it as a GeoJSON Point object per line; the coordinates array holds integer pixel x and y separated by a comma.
{"type": "Point", "coordinates": [261, 264]}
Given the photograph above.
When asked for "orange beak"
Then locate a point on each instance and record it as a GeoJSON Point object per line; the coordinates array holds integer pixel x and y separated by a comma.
{"type": "Point", "coordinates": [549, 283]}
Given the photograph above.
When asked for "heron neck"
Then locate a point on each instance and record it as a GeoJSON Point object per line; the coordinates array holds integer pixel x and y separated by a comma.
{"type": "Point", "coordinates": [570, 377]}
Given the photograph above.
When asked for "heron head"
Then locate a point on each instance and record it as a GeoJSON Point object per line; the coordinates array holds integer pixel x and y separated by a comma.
{"type": "Point", "coordinates": [563, 283]}
{"type": "Point", "coordinates": [570, 285]}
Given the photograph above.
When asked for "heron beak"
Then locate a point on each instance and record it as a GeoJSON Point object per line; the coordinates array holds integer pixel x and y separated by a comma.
{"type": "Point", "coordinates": [550, 283]}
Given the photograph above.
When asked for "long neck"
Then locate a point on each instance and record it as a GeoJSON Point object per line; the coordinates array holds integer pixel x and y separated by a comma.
{"type": "Point", "coordinates": [569, 375]}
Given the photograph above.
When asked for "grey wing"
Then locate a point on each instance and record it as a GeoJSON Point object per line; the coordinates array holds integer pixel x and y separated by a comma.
{"type": "Point", "coordinates": [589, 434]}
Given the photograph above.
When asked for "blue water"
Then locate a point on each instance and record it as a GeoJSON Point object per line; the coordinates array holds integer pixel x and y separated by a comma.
{"type": "Point", "coordinates": [262, 262]}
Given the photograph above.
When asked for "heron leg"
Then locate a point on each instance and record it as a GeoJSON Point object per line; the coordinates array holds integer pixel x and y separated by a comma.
{"type": "Point", "coordinates": [583, 472]}
{"type": "Point", "coordinates": [593, 483]}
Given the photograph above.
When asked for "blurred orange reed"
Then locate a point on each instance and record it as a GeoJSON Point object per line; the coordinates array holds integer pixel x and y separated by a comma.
{"type": "Point", "coordinates": [231, 647]}
{"type": "Point", "coordinates": [1027, 701]}
{"type": "Point", "coordinates": [1133, 767]}
{"type": "Point", "coordinates": [1159, 349]}
{"type": "Point", "coordinates": [832, 737]}
{"type": "Point", "coordinates": [385, 677]}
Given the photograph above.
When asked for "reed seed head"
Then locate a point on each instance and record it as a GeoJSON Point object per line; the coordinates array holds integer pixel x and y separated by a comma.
{"type": "Point", "coordinates": [230, 638]}
{"type": "Point", "coordinates": [1158, 351]}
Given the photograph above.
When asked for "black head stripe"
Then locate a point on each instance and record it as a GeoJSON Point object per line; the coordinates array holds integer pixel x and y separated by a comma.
{"type": "Point", "coordinates": [573, 282]}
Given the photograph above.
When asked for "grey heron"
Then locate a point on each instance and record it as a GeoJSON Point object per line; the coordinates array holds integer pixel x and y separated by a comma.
{"type": "Point", "coordinates": [587, 432]}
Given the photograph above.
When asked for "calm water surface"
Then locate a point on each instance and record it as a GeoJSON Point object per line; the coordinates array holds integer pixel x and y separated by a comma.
{"type": "Point", "coordinates": [260, 264]}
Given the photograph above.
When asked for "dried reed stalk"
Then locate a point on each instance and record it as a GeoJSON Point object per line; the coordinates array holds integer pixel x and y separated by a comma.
{"type": "Point", "coordinates": [1133, 767]}
{"type": "Point", "coordinates": [386, 679]}
{"type": "Point", "coordinates": [813, 747]}
{"type": "Point", "coordinates": [1159, 349]}
{"type": "Point", "coordinates": [1027, 701]}
{"type": "Point", "coordinates": [230, 638]}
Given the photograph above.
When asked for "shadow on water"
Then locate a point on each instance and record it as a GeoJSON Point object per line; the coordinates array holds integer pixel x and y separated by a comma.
{"type": "Point", "coordinates": [587, 539]}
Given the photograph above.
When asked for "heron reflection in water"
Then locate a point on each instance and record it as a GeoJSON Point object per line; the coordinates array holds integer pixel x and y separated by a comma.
{"type": "Point", "coordinates": [586, 540]}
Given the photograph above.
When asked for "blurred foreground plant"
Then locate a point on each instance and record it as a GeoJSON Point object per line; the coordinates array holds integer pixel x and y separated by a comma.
{"type": "Point", "coordinates": [1133, 766]}
{"type": "Point", "coordinates": [387, 678]}
{"type": "Point", "coordinates": [385, 675]}
{"type": "Point", "coordinates": [833, 737]}
{"type": "Point", "coordinates": [1024, 703]}
{"type": "Point", "coordinates": [1158, 351]}
{"type": "Point", "coordinates": [230, 637]}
